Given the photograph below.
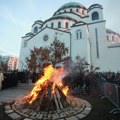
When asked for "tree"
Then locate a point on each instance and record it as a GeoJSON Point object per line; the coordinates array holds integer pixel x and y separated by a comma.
{"type": "Point", "coordinates": [4, 65]}
{"type": "Point", "coordinates": [39, 57]}
{"type": "Point", "coordinates": [58, 52]}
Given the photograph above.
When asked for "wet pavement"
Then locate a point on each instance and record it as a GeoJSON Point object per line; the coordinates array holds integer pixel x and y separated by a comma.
{"type": "Point", "coordinates": [14, 93]}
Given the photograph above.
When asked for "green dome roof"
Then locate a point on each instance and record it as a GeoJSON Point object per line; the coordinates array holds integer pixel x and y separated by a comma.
{"type": "Point", "coordinates": [70, 4]}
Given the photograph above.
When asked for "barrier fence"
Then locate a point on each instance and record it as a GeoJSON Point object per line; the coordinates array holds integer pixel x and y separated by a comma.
{"type": "Point", "coordinates": [112, 92]}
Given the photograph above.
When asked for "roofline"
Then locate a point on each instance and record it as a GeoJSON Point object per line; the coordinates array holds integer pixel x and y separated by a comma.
{"type": "Point", "coordinates": [95, 6]}
{"type": "Point", "coordinates": [109, 31]}
{"type": "Point", "coordinates": [62, 18]}
{"type": "Point", "coordinates": [73, 13]}
{"type": "Point", "coordinates": [36, 23]}
{"type": "Point", "coordinates": [79, 25]}
{"type": "Point", "coordinates": [114, 46]}
{"type": "Point", "coordinates": [45, 28]}
{"type": "Point", "coordinates": [89, 23]}
{"type": "Point", "coordinates": [69, 7]}
{"type": "Point", "coordinates": [58, 18]}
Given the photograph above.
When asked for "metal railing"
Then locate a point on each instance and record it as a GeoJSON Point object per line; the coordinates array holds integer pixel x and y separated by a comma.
{"type": "Point", "coordinates": [112, 92]}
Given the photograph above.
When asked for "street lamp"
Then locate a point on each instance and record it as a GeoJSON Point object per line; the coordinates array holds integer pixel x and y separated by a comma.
{"type": "Point", "coordinates": [23, 65]}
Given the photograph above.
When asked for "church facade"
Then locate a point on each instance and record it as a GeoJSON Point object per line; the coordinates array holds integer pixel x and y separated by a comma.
{"type": "Point", "coordinates": [83, 30]}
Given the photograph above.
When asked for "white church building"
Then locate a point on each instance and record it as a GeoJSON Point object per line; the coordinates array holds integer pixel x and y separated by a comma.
{"type": "Point", "coordinates": [84, 32]}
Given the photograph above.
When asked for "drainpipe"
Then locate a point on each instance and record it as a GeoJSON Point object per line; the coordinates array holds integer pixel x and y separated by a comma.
{"type": "Point", "coordinates": [70, 43]}
{"type": "Point", "coordinates": [90, 48]}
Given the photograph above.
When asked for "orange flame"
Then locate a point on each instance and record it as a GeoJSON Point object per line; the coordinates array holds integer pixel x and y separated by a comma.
{"type": "Point", "coordinates": [65, 90]}
{"type": "Point", "coordinates": [53, 88]}
{"type": "Point", "coordinates": [50, 75]}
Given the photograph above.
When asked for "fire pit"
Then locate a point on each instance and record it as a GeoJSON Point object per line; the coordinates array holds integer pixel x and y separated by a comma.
{"type": "Point", "coordinates": [49, 100]}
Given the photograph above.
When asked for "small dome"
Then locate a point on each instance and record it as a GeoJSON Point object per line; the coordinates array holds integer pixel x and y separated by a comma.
{"type": "Point", "coordinates": [29, 34]}
{"type": "Point", "coordinates": [95, 6]}
{"type": "Point", "coordinates": [72, 4]}
{"type": "Point", "coordinates": [38, 21]}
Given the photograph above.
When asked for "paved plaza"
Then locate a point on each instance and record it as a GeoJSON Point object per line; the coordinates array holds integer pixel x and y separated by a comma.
{"type": "Point", "coordinates": [79, 108]}
{"type": "Point", "coordinates": [14, 93]}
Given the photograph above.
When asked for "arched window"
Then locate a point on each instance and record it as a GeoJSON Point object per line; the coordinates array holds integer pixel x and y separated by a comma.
{"type": "Point", "coordinates": [83, 12]}
{"type": "Point", "coordinates": [95, 16]}
{"type": "Point", "coordinates": [59, 24]}
{"type": "Point", "coordinates": [70, 10]}
{"type": "Point", "coordinates": [107, 38]}
{"type": "Point", "coordinates": [52, 25]}
{"type": "Point", "coordinates": [35, 29]}
{"type": "Point", "coordinates": [64, 10]}
{"type": "Point", "coordinates": [112, 38]}
{"type": "Point", "coordinates": [77, 10]}
{"type": "Point", "coordinates": [66, 25]}
{"type": "Point", "coordinates": [78, 34]}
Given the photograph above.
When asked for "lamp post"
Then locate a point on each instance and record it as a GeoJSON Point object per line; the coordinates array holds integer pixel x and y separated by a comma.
{"type": "Point", "coordinates": [0, 63]}
{"type": "Point", "coordinates": [23, 65]}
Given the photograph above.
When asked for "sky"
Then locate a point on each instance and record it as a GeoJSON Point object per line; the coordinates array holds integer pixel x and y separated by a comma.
{"type": "Point", "coordinates": [17, 17]}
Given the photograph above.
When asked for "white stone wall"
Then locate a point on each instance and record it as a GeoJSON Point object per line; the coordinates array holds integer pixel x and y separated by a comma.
{"type": "Point", "coordinates": [79, 46]}
{"type": "Point", "coordinates": [101, 36]}
{"type": "Point", "coordinates": [38, 41]}
{"type": "Point", "coordinates": [108, 59]}
{"type": "Point", "coordinates": [70, 23]}
{"type": "Point", "coordinates": [100, 12]}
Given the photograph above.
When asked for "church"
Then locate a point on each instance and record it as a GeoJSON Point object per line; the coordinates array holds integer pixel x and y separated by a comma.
{"type": "Point", "coordinates": [84, 32]}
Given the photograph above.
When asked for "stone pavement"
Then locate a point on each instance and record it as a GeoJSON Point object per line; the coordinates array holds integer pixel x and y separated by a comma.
{"type": "Point", "coordinates": [14, 93]}
{"type": "Point", "coordinates": [79, 108]}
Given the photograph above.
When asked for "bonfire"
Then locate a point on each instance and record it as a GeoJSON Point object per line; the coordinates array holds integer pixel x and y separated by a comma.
{"type": "Point", "coordinates": [49, 93]}
{"type": "Point", "coordinates": [49, 99]}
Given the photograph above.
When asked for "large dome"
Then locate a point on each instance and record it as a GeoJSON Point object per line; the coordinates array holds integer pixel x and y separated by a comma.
{"type": "Point", "coordinates": [72, 4]}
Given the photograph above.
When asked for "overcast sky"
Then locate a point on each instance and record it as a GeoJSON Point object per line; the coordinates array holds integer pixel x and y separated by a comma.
{"type": "Point", "coordinates": [17, 17]}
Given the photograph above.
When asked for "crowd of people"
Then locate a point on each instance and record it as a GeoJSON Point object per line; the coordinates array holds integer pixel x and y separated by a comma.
{"type": "Point", "coordinates": [111, 77]}
{"type": "Point", "coordinates": [92, 83]}
{"type": "Point", "coordinates": [12, 78]}
{"type": "Point", "coordinates": [80, 85]}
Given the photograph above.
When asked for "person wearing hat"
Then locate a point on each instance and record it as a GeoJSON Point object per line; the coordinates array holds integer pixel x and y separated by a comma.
{"type": "Point", "coordinates": [1, 78]}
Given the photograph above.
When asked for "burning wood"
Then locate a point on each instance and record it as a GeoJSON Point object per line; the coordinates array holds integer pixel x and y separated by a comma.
{"type": "Point", "coordinates": [49, 99]}
{"type": "Point", "coordinates": [48, 94]}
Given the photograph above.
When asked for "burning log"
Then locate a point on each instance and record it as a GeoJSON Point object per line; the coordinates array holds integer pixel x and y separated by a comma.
{"type": "Point", "coordinates": [47, 100]}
